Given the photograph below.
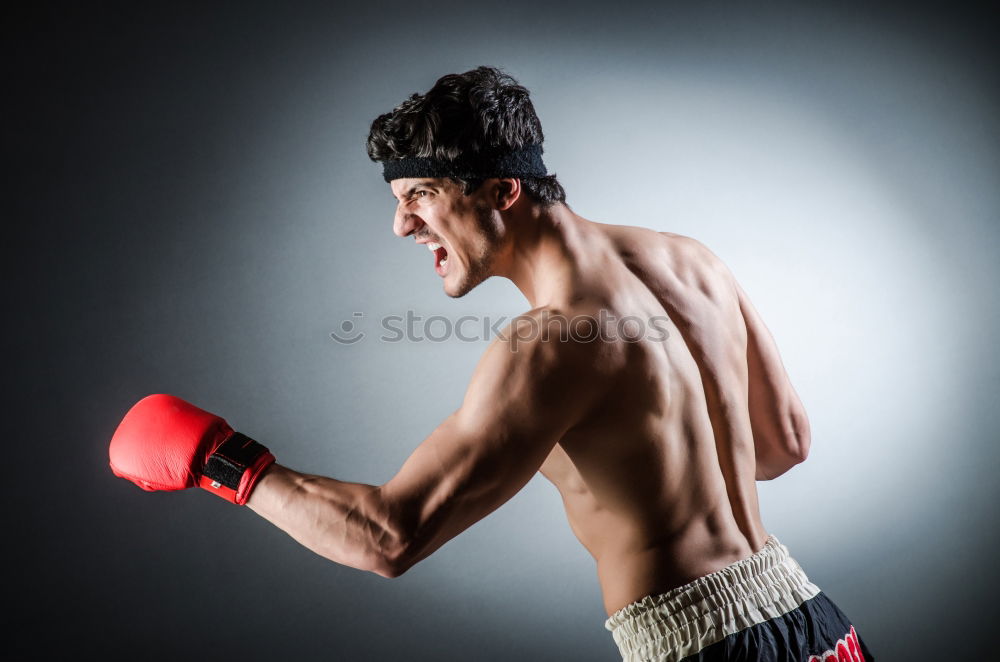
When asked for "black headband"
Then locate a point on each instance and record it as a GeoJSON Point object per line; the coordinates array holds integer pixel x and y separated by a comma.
{"type": "Point", "coordinates": [526, 162]}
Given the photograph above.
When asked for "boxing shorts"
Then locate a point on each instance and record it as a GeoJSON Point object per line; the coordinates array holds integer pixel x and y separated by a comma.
{"type": "Point", "coordinates": [761, 608]}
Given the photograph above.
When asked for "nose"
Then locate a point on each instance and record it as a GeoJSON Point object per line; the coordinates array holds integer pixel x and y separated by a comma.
{"type": "Point", "coordinates": [404, 223]}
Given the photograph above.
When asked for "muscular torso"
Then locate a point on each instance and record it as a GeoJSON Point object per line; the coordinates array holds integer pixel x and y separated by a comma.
{"type": "Point", "coordinates": [658, 480]}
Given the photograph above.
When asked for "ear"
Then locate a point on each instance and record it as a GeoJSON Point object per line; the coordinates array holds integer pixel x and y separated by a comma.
{"type": "Point", "coordinates": [508, 192]}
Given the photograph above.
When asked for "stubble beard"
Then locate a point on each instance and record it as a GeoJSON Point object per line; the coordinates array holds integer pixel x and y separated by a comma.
{"type": "Point", "coordinates": [481, 265]}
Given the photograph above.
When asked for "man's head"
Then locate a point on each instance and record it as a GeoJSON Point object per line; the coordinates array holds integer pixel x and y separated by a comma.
{"type": "Point", "coordinates": [458, 157]}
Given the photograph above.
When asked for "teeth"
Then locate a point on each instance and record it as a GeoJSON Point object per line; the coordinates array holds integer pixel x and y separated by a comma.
{"type": "Point", "coordinates": [443, 263]}
{"type": "Point", "coordinates": [433, 247]}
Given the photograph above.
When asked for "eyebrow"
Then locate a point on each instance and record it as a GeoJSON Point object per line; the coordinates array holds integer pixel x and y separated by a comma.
{"type": "Point", "coordinates": [414, 188]}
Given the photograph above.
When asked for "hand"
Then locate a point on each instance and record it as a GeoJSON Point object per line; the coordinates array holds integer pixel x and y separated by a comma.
{"type": "Point", "coordinates": [165, 443]}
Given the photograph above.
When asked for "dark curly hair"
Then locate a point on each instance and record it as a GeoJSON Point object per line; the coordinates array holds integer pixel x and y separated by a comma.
{"type": "Point", "coordinates": [481, 110]}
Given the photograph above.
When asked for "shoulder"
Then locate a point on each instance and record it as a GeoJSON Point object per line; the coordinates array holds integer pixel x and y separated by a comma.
{"type": "Point", "coordinates": [693, 254]}
{"type": "Point", "coordinates": [538, 372]}
{"type": "Point", "coordinates": [675, 251]}
{"type": "Point", "coordinates": [564, 343]}
{"type": "Point", "coordinates": [688, 246]}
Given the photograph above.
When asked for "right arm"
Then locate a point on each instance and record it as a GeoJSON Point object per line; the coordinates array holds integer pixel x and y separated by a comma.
{"type": "Point", "coordinates": [780, 425]}
{"type": "Point", "coordinates": [778, 420]}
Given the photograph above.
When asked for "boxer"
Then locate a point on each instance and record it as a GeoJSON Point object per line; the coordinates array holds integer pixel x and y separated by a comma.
{"type": "Point", "coordinates": [653, 427]}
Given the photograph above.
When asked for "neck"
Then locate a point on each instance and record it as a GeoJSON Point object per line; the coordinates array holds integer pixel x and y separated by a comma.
{"type": "Point", "coordinates": [540, 258]}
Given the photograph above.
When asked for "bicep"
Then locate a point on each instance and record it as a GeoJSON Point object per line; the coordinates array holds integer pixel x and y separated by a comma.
{"type": "Point", "coordinates": [514, 411]}
{"type": "Point", "coordinates": [458, 476]}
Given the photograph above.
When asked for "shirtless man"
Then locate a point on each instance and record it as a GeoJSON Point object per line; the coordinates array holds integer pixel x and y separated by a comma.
{"type": "Point", "coordinates": [654, 431]}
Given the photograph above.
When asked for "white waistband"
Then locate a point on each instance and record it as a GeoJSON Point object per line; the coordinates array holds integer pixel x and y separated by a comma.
{"type": "Point", "coordinates": [682, 621]}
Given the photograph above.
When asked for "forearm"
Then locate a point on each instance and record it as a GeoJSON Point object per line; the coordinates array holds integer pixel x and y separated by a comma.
{"type": "Point", "coordinates": [344, 522]}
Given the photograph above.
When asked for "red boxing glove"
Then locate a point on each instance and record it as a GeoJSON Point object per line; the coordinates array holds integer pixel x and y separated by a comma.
{"type": "Point", "coordinates": [165, 443]}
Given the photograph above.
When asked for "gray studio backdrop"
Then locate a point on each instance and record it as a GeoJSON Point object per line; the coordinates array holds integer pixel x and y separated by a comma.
{"type": "Point", "coordinates": [193, 213]}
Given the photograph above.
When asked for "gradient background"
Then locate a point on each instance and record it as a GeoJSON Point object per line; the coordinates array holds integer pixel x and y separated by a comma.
{"type": "Point", "coordinates": [190, 210]}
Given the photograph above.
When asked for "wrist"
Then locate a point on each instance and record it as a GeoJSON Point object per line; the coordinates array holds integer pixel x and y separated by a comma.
{"type": "Point", "coordinates": [234, 468]}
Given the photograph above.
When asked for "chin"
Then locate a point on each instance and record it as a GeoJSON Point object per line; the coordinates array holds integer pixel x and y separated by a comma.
{"type": "Point", "coordinates": [457, 292]}
{"type": "Point", "coordinates": [464, 286]}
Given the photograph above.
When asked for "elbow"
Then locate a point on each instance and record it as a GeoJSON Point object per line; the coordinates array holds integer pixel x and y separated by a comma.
{"type": "Point", "coordinates": [390, 571]}
{"type": "Point", "coordinates": [392, 559]}
{"type": "Point", "coordinates": [384, 547]}
{"type": "Point", "coordinates": [794, 451]}
{"type": "Point", "coordinates": [802, 449]}
{"type": "Point", "coordinates": [384, 560]}
{"type": "Point", "coordinates": [772, 468]}
{"type": "Point", "coordinates": [798, 451]}
{"type": "Point", "coordinates": [393, 564]}
{"type": "Point", "coordinates": [393, 544]}
{"type": "Point", "coordinates": [800, 437]}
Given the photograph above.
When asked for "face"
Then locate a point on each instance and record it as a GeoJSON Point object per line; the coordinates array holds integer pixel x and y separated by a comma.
{"type": "Point", "coordinates": [464, 231]}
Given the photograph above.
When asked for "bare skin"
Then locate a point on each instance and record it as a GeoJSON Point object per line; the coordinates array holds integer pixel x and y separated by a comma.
{"type": "Point", "coordinates": [654, 438]}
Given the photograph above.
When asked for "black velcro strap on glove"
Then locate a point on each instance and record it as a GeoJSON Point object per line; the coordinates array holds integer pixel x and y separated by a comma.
{"type": "Point", "coordinates": [230, 460]}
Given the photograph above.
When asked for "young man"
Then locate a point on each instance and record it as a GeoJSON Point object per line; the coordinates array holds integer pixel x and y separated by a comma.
{"type": "Point", "coordinates": [642, 383]}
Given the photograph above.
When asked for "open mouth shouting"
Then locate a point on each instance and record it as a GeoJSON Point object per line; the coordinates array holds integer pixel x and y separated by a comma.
{"type": "Point", "coordinates": [440, 258]}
